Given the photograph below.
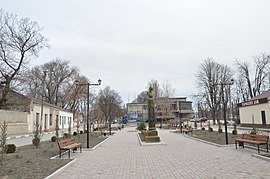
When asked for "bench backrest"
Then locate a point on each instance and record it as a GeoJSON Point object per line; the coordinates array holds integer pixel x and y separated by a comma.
{"type": "Point", "coordinates": [255, 137]}
{"type": "Point", "coordinates": [65, 142]}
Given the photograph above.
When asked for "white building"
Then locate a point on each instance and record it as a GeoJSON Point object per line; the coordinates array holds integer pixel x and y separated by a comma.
{"type": "Point", "coordinates": [256, 111]}
{"type": "Point", "coordinates": [24, 113]}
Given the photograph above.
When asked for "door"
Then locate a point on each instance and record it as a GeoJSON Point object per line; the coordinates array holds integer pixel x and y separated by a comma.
{"type": "Point", "coordinates": [263, 118]}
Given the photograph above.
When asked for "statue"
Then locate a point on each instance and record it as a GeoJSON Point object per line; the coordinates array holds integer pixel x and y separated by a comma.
{"type": "Point", "coordinates": [151, 109]}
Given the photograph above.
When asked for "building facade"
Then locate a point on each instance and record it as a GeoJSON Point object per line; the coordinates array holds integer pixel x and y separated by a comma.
{"type": "Point", "coordinates": [166, 109]}
{"type": "Point", "coordinates": [256, 111]}
{"type": "Point", "coordinates": [24, 113]}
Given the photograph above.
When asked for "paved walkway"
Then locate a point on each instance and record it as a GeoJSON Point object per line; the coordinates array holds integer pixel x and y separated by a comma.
{"type": "Point", "coordinates": [122, 157]}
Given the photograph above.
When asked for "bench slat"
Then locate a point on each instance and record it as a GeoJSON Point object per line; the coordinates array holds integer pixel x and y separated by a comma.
{"type": "Point", "coordinates": [68, 144]}
{"type": "Point", "coordinates": [253, 139]}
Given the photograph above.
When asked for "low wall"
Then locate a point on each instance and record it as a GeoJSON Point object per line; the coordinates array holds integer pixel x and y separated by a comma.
{"type": "Point", "coordinates": [17, 121]}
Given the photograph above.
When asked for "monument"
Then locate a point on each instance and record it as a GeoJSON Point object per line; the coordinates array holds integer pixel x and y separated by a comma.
{"type": "Point", "coordinates": [152, 134]}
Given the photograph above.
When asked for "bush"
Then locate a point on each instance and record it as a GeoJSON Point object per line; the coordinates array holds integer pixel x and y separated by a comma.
{"type": "Point", "coordinates": [10, 148]}
{"type": "Point", "coordinates": [220, 130]}
{"type": "Point", "coordinates": [81, 132]}
{"type": "Point", "coordinates": [54, 138]}
{"type": "Point", "coordinates": [203, 128]}
{"type": "Point", "coordinates": [75, 133]}
{"type": "Point", "coordinates": [141, 126]}
{"type": "Point", "coordinates": [234, 132]}
{"type": "Point", "coordinates": [36, 141]}
{"type": "Point", "coordinates": [211, 129]}
{"type": "Point", "coordinates": [65, 135]}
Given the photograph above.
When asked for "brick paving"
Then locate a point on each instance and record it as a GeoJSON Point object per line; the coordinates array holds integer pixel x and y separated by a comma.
{"type": "Point", "coordinates": [122, 157]}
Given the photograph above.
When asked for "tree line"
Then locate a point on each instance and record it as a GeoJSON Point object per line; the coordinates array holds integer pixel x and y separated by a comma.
{"type": "Point", "coordinates": [222, 86]}
{"type": "Point", "coordinates": [55, 82]}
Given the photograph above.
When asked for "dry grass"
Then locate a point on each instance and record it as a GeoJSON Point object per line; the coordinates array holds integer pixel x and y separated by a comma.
{"type": "Point", "coordinates": [215, 137]}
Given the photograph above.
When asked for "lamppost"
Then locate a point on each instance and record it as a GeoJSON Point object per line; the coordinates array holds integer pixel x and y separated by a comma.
{"type": "Point", "coordinates": [225, 105]}
{"type": "Point", "coordinates": [87, 118]}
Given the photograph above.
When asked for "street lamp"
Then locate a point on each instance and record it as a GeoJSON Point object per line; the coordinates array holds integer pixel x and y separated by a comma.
{"type": "Point", "coordinates": [225, 105]}
{"type": "Point", "coordinates": [87, 118]}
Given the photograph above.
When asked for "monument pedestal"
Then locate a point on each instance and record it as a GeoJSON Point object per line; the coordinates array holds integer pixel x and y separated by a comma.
{"type": "Point", "coordinates": [152, 136]}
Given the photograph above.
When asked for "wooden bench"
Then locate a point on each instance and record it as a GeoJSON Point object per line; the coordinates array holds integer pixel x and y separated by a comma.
{"type": "Point", "coordinates": [68, 145]}
{"type": "Point", "coordinates": [187, 130]}
{"type": "Point", "coordinates": [253, 139]}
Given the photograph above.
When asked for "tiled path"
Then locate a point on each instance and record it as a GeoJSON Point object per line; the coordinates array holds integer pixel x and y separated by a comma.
{"type": "Point", "coordinates": [122, 157]}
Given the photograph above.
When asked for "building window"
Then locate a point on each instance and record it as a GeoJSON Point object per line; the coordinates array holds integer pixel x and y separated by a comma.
{"type": "Point", "coordinates": [45, 121]}
{"type": "Point", "coordinates": [50, 119]}
{"type": "Point", "coordinates": [37, 118]}
{"type": "Point", "coordinates": [263, 118]}
{"type": "Point", "coordinates": [60, 121]}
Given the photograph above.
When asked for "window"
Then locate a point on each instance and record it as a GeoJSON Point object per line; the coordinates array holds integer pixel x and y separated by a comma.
{"type": "Point", "coordinates": [37, 118]}
{"type": "Point", "coordinates": [50, 119]}
{"type": "Point", "coordinates": [263, 118]}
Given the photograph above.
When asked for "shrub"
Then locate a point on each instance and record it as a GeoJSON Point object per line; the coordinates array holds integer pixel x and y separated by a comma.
{"type": "Point", "coordinates": [203, 128]}
{"type": "Point", "coordinates": [141, 126]}
{"type": "Point", "coordinates": [75, 133]}
{"type": "Point", "coordinates": [10, 148]}
{"type": "Point", "coordinates": [81, 132]}
{"type": "Point", "coordinates": [220, 130]}
{"type": "Point", "coordinates": [36, 141]}
{"type": "Point", "coordinates": [65, 135]}
{"type": "Point", "coordinates": [54, 138]}
{"type": "Point", "coordinates": [234, 132]}
{"type": "Point", "coordinates": [211, 129]}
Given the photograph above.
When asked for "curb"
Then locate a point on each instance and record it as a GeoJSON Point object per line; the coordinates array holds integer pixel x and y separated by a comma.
{"type": "Point", "coordinates": [61, 169]}
{"type": "Point", "coordinates": [26, 135]}
{"type": "Point", "coordinates": [150, 144]}
{"type": "Point", "coordinates": [261, 157]}
{"type": "Point", "coordinates": [207, 142]}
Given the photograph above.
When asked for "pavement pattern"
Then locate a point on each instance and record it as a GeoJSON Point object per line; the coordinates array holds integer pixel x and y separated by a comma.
{"type": "Point", "coordinates": [122, 157]}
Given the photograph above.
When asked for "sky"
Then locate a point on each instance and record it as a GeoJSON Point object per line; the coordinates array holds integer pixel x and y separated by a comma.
{"type": "Point", "coordinates": [127, 43]}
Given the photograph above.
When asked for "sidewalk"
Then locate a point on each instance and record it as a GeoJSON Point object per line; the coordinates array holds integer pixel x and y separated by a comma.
{"type": "Point", "coordinates": [122, 157]}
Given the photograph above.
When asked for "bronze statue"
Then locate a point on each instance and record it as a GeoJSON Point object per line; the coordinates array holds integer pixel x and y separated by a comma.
{"type": "Point", "coordinates": [151, 109]}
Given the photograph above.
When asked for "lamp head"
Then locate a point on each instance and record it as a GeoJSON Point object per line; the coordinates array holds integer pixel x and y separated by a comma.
{"type": "Point", "coordinates": [99, 82]}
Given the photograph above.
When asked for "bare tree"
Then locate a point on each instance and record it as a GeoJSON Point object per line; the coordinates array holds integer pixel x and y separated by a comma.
{"type": "Point", "coordinates": [164, 102]}
{"type": "Point", "coordinates": [20, 39]}
{"type": "Point", "coordinates": [141, 98]}
{"type": "Point", "coordinates": [3, 139]}
{"type": "Point", "coordinates": [210, 76]}
{"type": "Point", "coordinates": [59, 87]}
{"type": "Point", "coordinates": [109, 103]}
{"type": "Point", "coordinates": [248, 87]}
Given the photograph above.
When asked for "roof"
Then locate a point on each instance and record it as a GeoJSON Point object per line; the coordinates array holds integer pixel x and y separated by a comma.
{"type": "Point", "coordinates": [264, 97]}
{"type": "Point", "coordinates": [265, 94]}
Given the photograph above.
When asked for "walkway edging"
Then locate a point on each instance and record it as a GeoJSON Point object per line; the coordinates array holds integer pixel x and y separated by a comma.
{"type": "Point", "coordinates": [60, 169]}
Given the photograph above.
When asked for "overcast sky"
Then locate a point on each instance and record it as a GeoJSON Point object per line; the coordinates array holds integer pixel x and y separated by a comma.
{"type": "Point", "coordinates": [126, 43]}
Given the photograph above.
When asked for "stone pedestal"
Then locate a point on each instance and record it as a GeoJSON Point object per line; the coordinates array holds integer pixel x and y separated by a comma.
{"type": "Point", "coordinates": [152, 136]}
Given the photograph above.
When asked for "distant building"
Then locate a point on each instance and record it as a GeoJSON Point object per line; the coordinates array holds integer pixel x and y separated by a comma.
{"type": "Point", "coordinates": [256, 111]}
{"type": "Point", "coordinates": [166, 109]}
{"type": "Point", "coordinates": [137, 111]}
{"type": "Point", "coordinates": [177, 108]}
{"type": "Point", "coordinates": [23, 113]}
